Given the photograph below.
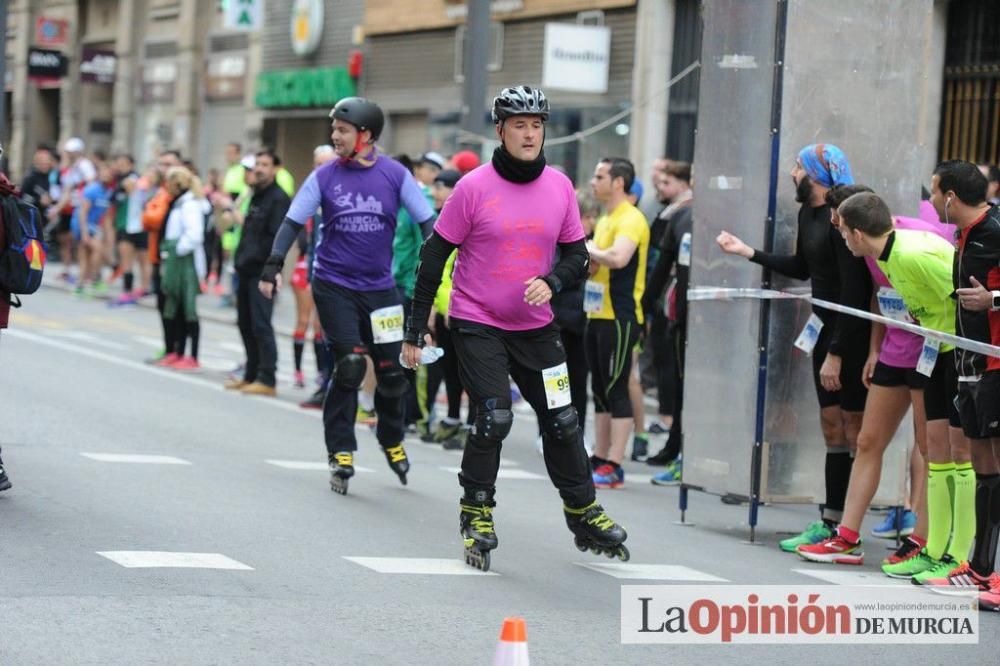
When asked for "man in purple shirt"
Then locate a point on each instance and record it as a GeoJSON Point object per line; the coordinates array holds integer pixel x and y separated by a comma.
{"type": "Point", "coordinates": [359, 196]}
{"type": "Point", "coordinates": [506, 218]}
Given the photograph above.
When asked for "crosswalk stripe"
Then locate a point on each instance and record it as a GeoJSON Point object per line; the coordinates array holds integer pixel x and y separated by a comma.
{"type": "Point", "coordinates": [311, 465]}
{"type": "Point", "coordinates": [151, 559]}
{"type": "Point", "coordinates": [137, 458]}
{"type": "Point", "coordinates": [651, 572]}
{"type": "Point", "coordinates": [517, 474]}
{"type": "Point", "coordinates": [419, 565]}
{"type": "Point", "coordinates": [835, 577]}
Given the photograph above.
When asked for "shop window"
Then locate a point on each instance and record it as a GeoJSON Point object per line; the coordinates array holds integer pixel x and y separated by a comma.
{"type": "Point", "coordinates": [494, 61]}
{"type": "Point", "coordinates": [592, 17]}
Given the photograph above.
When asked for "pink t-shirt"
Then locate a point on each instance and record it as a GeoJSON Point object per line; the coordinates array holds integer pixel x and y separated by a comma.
{"type": "Point", "coordinates": [507, 233]}
{"type": "Point", "coordinates": [901, 349]}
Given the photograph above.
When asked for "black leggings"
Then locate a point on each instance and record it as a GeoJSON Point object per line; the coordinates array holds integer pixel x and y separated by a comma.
{"type": "Point", "coordinates": [609, 354]}
{"type": "Point", "coordinates": [487, 358]}
{"type": "Point", "coordinates": [444, 370]}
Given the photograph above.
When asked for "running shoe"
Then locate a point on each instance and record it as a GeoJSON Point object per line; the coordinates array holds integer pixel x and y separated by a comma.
{"type": "Point", "coordinates": [836, 550]}
{"type": "Point", "coordinates": [964, 579]}
{"type": "Point", "coordinates": [299, 379]}
{"type": "Point", "coordinates": [941, 569]}
{"type": "Point", "coordinates": [446, 431]}
{"type": "Point", "coordinates": [4, 481]}
{"type": "Point", "coordinates": [100, 288]}
{"type": "Point", "coordinates": [908, 549]}
{"type": "Point", "coordinates": [364, 416]}
{"type": "Point", "coordinates": [186, 364]}
{"type": "Point", "coordinates": [640, 448]}
{"type": "Point", "coordinates": [671, 476]}
{"type": "Point", "coordinates": [990, 601]}
{"type": "Point", "coordinates": [658, 428]}
{"type": "Point", "coordinates": [662, 458]}
{"type": "Point", "coordinates": [260, 389]}
{"type": "Point", "coordinates": [608, 477]}
{"type": "Point", "coordinates": [235, 384]}
{"type": "Point", "coordinates": [911, 566]}
{"type": "Point", "coordinates": [315, 401]}
{"type": "Point", "coordinates": [814, 533]}
{"type": "Point", "coordinates": [898, 523]}
{"type": "Point", "coordinates": [168, 360]}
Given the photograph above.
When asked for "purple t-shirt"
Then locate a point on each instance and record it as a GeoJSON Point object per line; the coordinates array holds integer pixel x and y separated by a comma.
{"type": "Point", "coordinates": [359, 205]}
{"type": "Point", "coordinates": [901, 349]}
{"type": "Point", "coordinates": [507, 233]}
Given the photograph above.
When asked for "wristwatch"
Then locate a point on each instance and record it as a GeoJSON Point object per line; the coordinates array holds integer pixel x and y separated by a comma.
{"type": "Point", "coordinates": [996, 300]}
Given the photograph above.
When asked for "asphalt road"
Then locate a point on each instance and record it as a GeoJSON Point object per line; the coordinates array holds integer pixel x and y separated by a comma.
{"type": "Point", "coordinates": [241, 481]}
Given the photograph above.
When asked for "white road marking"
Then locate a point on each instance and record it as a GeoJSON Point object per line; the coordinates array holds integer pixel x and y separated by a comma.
{"type": "Point", "coordinates": [153, 370]}
{"type": "Point", "coordinates": [311, 465]}
{"type": "Point", "coordinates": [155, 343]}
{"type": "Point", "coordinates": [149, 559]}
{"type": "Point", "coordinates": [517, 474]}
{"type": "Point", "coordinates": [651, 572]}
{"type": "Point", "coordinates": [216, 363]}
{"type": "Point", "coordinates": [832, 573]}
{"type": "Point", "coordinates": [135, 458]}
{"type": "Point", "coordinates": [90, 339]}
{"type": "Point", "coordinates": [419, 565]}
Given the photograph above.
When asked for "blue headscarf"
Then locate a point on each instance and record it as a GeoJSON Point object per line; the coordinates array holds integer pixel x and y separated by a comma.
{"type": "Point", "coordinates": [826, 164]}
{"type": "Point", "coordinates": [636, 190]}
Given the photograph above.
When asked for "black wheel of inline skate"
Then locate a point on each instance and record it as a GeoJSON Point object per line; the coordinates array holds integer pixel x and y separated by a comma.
{"type": "Point", "coordinates": [609, 553]}
{"type": "Point", "coordinates": [623, 554]}
{"type": "Point", "coordinates": [479, 559]}
{"type": "Point", "coordinates": [580, 545]}
{"type": "Point", "coordinates": [338, 485]}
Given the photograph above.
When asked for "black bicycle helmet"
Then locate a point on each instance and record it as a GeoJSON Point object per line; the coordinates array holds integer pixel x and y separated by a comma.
{"type": "Point", "coordinates": [360, 112]}
{"type": "Point", "coordinates": [520, 101]}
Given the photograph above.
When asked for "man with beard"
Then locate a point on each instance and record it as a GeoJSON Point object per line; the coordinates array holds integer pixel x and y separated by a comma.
{"type": "Point", "coordinates": [842, 347]}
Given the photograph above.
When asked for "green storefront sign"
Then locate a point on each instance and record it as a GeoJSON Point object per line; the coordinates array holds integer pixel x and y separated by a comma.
{"type": "Point", "coordinates": [323, 86]}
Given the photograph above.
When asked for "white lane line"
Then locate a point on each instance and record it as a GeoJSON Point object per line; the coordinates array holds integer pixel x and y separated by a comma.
{"type": "Point", "coordinates": [216, 363]}
{"type": "Point", "coordinates": [651, 572]}
{"type": "Point", "coordinates": [837, 577]}
{"type": "Point", "coordinates": [155, 343]}
{"type": "Point", "coordinates": [90, 339]}
{"type": "Point", "coordinates": [152, 559]}
{"type": "Point", "coordinates": [135, 458]}
{"type": "Point", "coordinates": [517, 474]}
{"type": "Point", "coordinates": [310, 465]}
{"type": "Point", "coordinates": [419, 565]}
{"type": "Point", "coordinates": [154, 370]}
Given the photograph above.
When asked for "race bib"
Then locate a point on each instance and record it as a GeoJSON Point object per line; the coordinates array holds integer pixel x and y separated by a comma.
{"type": "Point", "coordinates": [387, 324]}
{"type": "Point", "coordinates": [556, 381]}
{"type": "Point", "coordinates": [593, 296]}
{"type": "Point", "coordinates": [891, 304]}
{"type": "Point", "coordinates": [928, 357]}
{"type": "Point", "coordinates": [809, 335]}
{"type": "Point", "coordinates": [684, 252]}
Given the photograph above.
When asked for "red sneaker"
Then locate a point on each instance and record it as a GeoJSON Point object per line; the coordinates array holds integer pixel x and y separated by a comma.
{"type": "Point", "coordinates": [187, 363]}
{"type": "Point", "coordinates": [907, 550]}
{"type": "Point", "coordinates": [836, 550]}
{"type": "Point", "coordinates": [168, 360]}
{"type": "Point", "coordinates": [964, 579]}
{"type": "Point", "coordinates": [990, 601]}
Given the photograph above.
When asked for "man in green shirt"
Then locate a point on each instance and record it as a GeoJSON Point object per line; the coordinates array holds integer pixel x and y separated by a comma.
{"type": "Point", "coordinates": [918, 264]}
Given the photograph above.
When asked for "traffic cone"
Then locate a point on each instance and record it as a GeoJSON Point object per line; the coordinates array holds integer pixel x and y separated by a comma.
{"type": "Point", "coordinates": [512, 649]}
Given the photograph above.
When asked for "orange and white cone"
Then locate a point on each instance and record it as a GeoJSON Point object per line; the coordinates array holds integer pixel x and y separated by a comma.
{"type": "Point", "coordinates": [512, 650]}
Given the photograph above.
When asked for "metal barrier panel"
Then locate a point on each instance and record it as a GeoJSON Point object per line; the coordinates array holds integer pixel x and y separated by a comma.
{"type": "Point", "coordinates": [732, 186]}
{"type": "Point", "coordinates": [852, 76]}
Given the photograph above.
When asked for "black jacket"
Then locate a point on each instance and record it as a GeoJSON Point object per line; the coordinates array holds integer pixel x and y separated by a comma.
{"type": "Point", "coordinates": [674, 252]}
{"type": "Point", "coordinates": [268, 208]}
{"type": "Point", "coordinates": [978, 256]}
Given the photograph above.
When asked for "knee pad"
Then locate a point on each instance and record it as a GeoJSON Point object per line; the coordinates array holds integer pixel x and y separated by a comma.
{"type": "Point", "coordinates": [563, 427]}
{"type": "Point", "coordinates": [350, 371]}
{"type": "Point", "coordinates": [493, 424]}
{"type": "Point", "coordinates": [392, 384]}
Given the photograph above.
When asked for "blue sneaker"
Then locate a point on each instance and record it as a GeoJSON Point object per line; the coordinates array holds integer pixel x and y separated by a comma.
{"type": "Point", "coordinates": [671, 476]}
{"type": "Point", "coordinates": [607, 476]}
{"type": "Point", "coordinates": [897, 522]}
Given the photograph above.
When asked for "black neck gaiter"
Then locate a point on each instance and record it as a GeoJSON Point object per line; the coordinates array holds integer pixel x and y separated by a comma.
{"type": "Point", "coordinates": [515, 170]}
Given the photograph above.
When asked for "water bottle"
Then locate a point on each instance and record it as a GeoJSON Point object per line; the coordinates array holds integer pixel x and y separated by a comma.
{"type": "Point", "coordinates": [428, 355]}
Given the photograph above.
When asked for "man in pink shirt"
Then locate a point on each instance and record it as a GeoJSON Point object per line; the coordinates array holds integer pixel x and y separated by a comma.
{"type": "Point", "coordinates": [506, 218]}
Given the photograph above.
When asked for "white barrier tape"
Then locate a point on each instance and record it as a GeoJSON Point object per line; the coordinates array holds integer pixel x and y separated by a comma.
{"type": "Point", "coordinates": [725, 294]}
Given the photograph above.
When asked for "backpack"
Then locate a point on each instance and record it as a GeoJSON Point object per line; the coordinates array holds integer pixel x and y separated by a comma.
{"type": "Point", "coordinates": [22, 259]}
